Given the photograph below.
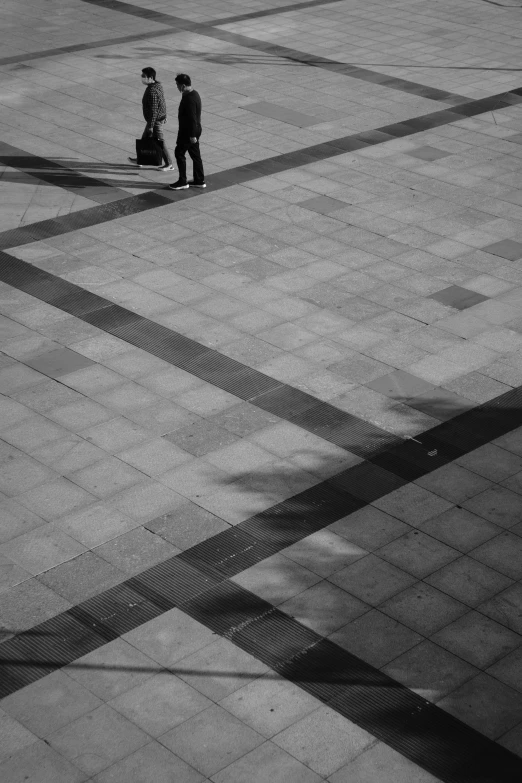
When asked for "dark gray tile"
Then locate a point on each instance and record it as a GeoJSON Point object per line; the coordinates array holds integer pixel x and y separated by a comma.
{"type": "Point", "coordinates": [506, 248]}
{"type": "Point", "coordinates": [400, 385]}
{"type": "Point", "coordinates": [201, 437]}
{"type": "Point", "coordinates": [428, 153]}
{"type": "Point", "coordinates": [458, 297]}
{"type": "Point", "coordinates": [59, 362]}
{"type": "Point", "coordinates": [441, 404]}
{"type": "Point", "coordinates": [322, 204]}
{"type": "Point", "coordinates": [282, 114]}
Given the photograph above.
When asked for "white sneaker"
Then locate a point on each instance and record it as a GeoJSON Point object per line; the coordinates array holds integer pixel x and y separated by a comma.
{"type": "Point", "coordinates": [166, 167]}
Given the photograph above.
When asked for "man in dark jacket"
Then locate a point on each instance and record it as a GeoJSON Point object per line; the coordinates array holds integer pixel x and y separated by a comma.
{"type": "Point", "coordinates": [189, 116]}
{"type": "Point", "coordinates": [155, 114]}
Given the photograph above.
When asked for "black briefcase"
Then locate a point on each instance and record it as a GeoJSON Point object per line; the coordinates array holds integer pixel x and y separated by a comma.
{"type": "Point", "coordinates": [148, 152]}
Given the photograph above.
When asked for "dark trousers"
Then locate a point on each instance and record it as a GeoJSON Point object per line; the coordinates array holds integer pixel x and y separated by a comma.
{"type": "Point", "coordinates": [157, 134]}
{"type": "Point", "coordinates": [184, 145]}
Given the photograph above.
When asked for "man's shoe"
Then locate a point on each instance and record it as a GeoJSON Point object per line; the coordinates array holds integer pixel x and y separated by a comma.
{"type": "Point", "coordinates": [194, 184]}
{"type": "Point", "coordinates": [135, 161]}
{"type": "Point", "coordinates": [166, 167]}
{"type": "Point", "coordinates": [178, 185]}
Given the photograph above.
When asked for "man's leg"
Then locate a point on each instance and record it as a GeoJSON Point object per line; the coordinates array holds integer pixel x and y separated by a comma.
{"type": "Point", "coordinates": [182, 145]}
{"type": "Point", "coordinates": [197, 163]}
{"type": "Point", "coordinates": [158, 135]}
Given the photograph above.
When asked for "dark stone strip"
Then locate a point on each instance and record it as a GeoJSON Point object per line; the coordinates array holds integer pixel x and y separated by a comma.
{"type": "Point", "coordinates": [315, 61]}
{"type": "Point", "coordinates": [207, 364]}
{"type": "Point", "coordinates": [60, 176]}
{"type": "Point", "coordinates": [211, 30]}
{"type": "Point", "coordinates": [82, 47]}
{"type": "Point", "coordinates": [135, 204]}
{"type": "Point", "coordinates": [92, 216]}
{"type": "Point", "coordinates": [197, 581]}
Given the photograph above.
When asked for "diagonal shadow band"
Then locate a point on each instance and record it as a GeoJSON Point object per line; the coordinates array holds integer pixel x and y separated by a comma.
{"type": "Point", "coordinates": [197, 582]}
{"type": "Point", "coordinates": [214, 30]}
{"type": "Point", "coordinates": [133, 205]}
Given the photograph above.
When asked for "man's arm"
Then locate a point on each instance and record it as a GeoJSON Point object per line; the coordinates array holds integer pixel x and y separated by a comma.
{"type": "Point", "coordinates": [192, 116]}
{"type": "Point", "coordinates": [154, 108]}
{"type": "Point", "coordinates": [150, 109]}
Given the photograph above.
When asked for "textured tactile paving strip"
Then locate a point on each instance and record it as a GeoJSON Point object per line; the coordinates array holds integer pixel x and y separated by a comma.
{"type": "Point", "coordinates": [196, 582]}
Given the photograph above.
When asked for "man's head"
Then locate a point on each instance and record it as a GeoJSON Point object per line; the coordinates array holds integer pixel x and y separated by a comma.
{"type": "Point", "coordinates": [183, 82]}
{"type": "Point", "coordinates": [148, 76]}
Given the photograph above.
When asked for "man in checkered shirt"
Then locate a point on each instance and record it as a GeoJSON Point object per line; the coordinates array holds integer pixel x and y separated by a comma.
{"type": "Point", "coordinates": [155, 114]}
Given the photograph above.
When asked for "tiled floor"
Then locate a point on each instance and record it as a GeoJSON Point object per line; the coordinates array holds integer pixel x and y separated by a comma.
{"type": "Point", "coordinates": [377, 290]}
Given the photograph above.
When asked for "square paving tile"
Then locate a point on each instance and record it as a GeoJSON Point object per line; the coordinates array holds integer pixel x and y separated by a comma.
{"type": "Point", "coordinates": [270, 704]}
{"type": "Point", "coordinates": [39, 763]}
{"type": "Point", "coordinates": [151, 762]}
{"type": "Point", "coordinates": [423, 609]}
{"type": "Point", "coordinates": [98, 739]}
{"type": "Point", "coordinates": [400, 385]}
{"type": "Point", "coordinates": [509, 669]}
{"type": "Point", "coordinates": [498, 505]}
{"type": "Point", "coordinates": [506, 248]}
{"type": "Point", "coordinates": [322, 204]}
{"type": "Point", "coordinates": [376, 638]}
{"type": "Point", "coordinates": [477, 639]}
{"type": "Point", "coordinates": [282, 114]}
{"type": "Point", "coordinates": [430, 671]}
{"type": "Point", "coordinates": [441, 404]}
{"type": "Point", "coordinates": [13, 736]}
{"type": "Point", "coordinates": [78, 579]}
{"type": "Point", "coordinates": [112, 669]}
{"type": "Point", "coordinates": [324, 607]}
{"type": "Point", "coordinates": [372, 579]}
{"type": "Point", "coordinates": [219, 669]}
{"type": "Point", "coordinates": [267, 763]}
{"type": "Point", "coordinates": [418, 554]}
{"type": "Point", "coordinates": [454, 483]}
{"type": "Point", "coordinates": [160, 703]}
{"type": "Point", "coordinates": [381, 764]}
{"type": "Point", "coordinates": [276, 579]}
{"type": "Point", "coordinates": [170, 637]}
{"type": "Point", "coordinates": [324, 552]}
{"type": "Point", "coordinates": [458, 297]}
{"type": "Point", "coordinates": [428, 153]}
{"type": "Point", "coordinates": [50, 703]}
{"type": "Point", "coordinates": [57, 363]}
{"type": "Point", "coordinates": [369, 527]}
{"type": "Point", "coordinates": [469, 581]}
{"type": "Point", "coordinates": [486, 704]}
{"type": "Point", "coordinates": [324, 740]}
{"type": "Point", "coordinates": [460, 529]}
{"type": "Point", "coordinates": [506, 608]}
{"type": "Point", "coordinates": [211, 740]}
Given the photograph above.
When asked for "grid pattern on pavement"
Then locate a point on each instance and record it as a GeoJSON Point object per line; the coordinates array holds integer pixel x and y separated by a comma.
{"type": "Point", "coordinates": [383, 281]}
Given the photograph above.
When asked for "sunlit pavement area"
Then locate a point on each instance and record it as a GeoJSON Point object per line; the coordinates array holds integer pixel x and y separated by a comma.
{"type": "Point", "coordinates": [261, 481]}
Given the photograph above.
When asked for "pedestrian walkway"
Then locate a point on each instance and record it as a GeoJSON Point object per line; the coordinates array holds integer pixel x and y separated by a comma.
{"type": "Point", "coordinates": [261, 445]}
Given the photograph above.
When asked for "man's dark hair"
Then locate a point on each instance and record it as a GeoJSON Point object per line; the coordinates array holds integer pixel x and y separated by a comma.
{"type": "Point", "coordinates": [183, 78]}
{"type": "Point", "coordinates": [150, 73]}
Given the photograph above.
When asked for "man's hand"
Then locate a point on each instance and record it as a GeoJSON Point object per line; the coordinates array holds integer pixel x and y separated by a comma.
{"type": "Point", "coordinates": [193, 139]}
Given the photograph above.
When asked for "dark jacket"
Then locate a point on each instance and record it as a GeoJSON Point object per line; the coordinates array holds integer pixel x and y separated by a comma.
{"type": "Point", "coordinates": [189, 114]}
{"type": "Point", "coordinates": [154, 106]}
